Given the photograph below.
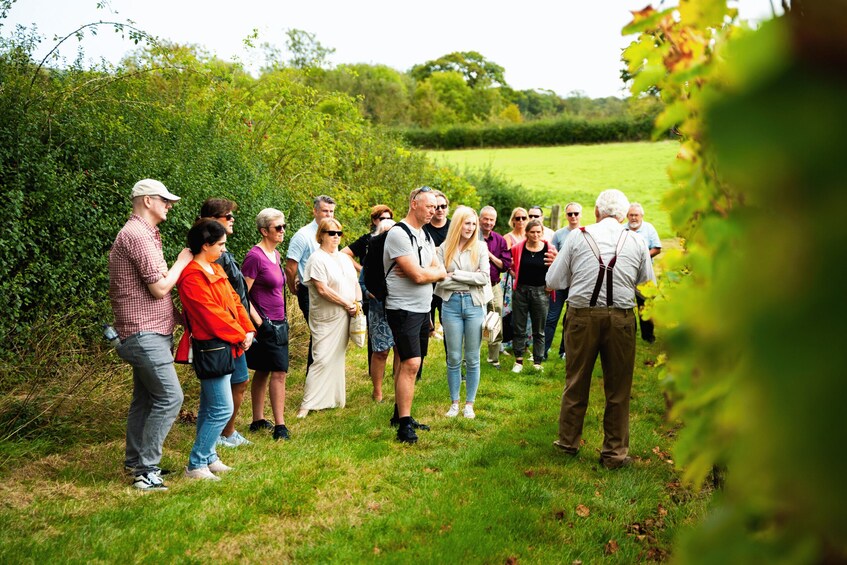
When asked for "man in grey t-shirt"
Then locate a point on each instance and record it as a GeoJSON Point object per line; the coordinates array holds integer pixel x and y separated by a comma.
{"type": "Point", "coordinates": [411, 267]}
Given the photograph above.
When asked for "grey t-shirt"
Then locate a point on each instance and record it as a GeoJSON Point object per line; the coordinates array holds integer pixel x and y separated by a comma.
{"type": "Point", "coordinates": [403, 294]}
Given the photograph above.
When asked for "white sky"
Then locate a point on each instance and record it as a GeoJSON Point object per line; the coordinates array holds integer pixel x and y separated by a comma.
{"type": "Point", "coordinates": [561, 45]}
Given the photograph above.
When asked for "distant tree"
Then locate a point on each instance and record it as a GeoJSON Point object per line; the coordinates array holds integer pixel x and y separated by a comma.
{"type": "Point", "coordinates": [477, 71]}
{"type": "Point", "coordinates": [306, 51]}
{"type": "Point", "coordinates": [384, 94]}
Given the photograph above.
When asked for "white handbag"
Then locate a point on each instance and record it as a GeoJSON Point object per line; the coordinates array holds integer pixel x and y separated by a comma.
{"type": "Point", "coordinates": [491, 326]}
{"type": "Point", "coordinates": [359, 327]}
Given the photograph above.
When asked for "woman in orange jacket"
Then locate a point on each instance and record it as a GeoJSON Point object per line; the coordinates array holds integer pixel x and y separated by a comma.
{"type": "Point", "coordinates": [212, 310]}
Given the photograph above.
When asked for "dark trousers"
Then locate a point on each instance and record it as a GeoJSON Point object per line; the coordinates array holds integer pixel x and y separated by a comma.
{"type": "Point", "coordinates": [553, 313]}
{"type": "Point", "coordinates": [303, 302]}
{"type": "Point", "coordinates": [529, 303]}
{"type": "Point", "coordinates": [646, 325]}
{"type": "Point", "coordinates": [609, 332]}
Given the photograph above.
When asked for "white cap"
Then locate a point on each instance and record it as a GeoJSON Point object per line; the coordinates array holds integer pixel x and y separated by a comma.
{"type": "Point", "coordinates": [151, 187]}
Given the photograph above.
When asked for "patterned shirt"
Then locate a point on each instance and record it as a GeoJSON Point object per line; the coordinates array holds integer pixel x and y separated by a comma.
{"type": "Point", "coordinates": [135, 261]}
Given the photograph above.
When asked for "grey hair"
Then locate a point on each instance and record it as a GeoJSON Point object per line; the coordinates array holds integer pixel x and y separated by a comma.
{"type": "Point", "coordinates": [323, 198]}
{"type": "Point", "coordinates": [263, 218]}
{"type": "Point", "coordinates": [535, 208]}
{"type": "Point", "coordinates": [576, 205]}
{"type": "Point", "coordinates": [636, 205]}
{"type": "Point", "coordinates": [488, 209]}
{"type": "Point", "coordinates": [383, 226]}
{"type": "Point", "coordinates": [612, 203]}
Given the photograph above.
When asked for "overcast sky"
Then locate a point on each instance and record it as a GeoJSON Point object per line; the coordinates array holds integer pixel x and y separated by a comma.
{"type": "Point", "coordinates": [561, 45]}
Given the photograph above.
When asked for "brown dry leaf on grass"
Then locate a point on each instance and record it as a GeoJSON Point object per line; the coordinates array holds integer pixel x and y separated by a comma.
{"type": "Point", "coordinates": [611, 547]}
{"type": "Point", "coordinates": [582, 510]}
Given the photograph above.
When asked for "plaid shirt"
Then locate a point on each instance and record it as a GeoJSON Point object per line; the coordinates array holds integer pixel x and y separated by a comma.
{"type": "Point", "coordinates": [135, 261]}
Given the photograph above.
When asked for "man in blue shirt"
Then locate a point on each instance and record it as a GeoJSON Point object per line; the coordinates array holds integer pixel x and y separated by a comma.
{"type": "Point", "coordinates": [635, 216]}
{"type": "Point", "coordinates": [573, 212]}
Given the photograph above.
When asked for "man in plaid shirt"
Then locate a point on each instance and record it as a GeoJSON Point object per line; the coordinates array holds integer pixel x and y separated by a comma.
{"type": "Point", "coordinates": [139, 289]}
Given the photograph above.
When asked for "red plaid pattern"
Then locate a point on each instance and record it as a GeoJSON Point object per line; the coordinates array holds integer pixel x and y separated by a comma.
{"type": "Point", "coordinates": [135, 261]}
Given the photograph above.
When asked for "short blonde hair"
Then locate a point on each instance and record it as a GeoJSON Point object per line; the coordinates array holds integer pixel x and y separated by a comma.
{"type": "Point", "coordinates": [264, 218]}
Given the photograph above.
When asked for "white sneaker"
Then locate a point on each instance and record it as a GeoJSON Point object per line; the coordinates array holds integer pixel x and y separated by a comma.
{"type": "Point", "coordinates": [538, 367]}
{"type": "Point", "coordinates": [201, 473]}
{"type": "Point", "coordinates": [453, 412]}
{"type": "Point", "coordinates": [517, 368]}
{"type": "Point", "coordinates": [563, 356]}
{"type": "Point", "coordinates": [149, 481]}
{"type": "Point", "coordinates": [468, 412]}
{"type": "Point", "coordinates": [218, 466]}
{"type": "Point", "coordinates": [234, 440]}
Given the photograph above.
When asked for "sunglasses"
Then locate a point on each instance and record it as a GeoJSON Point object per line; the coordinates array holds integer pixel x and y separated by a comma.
{"type": "Point", "coordinates": [422, 189]}
{"type": "Point", "coordinates": [573, 214]}
{"type": "Point", "coordinates": [441, 207]}
{"type": "Point", "coordinates": [333, 233]}
{"type": "Point", "coordinates": [228, 217]}
{"type": "Point", "coordinates": [280, 227]}
{"type": "Point", "coordinates": [386, 218]}
{"type": "Point", "coordinates": [534, 216]}
{"type": "Point", "coordinates": [520, 218]}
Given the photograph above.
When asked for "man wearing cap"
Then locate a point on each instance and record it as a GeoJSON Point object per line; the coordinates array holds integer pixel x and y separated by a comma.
{"type": "Point", "coordinates": [601, 265]}
{"type": "Point", "coordinates": [140, 286]}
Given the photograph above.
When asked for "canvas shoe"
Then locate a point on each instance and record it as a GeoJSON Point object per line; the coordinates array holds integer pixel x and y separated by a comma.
{"type": "Point", "coordinates": [517, 368]}
{"type": "Point", "coordinates": [237, 439]}
{"type": "Point", "coordinates": [149, 481]}
{"type": "Point", "coordinates": [281, 432]}
{"type": "Point", "coordinates": [217, 466]}
{"type": "Point", "coordinates": [453, 412]}
{"type": "Point", "coordinates": [538, 367]}
{"type": "Point", "coordinates": [468, 412]}
{"type": "Point", "coordinates": [201, 473]}
{"type": "Point", "coordinates": [260, 425]}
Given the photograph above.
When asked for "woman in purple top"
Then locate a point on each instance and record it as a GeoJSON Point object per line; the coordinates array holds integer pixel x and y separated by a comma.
{"type": "Point", "coordinates": [265, 283]}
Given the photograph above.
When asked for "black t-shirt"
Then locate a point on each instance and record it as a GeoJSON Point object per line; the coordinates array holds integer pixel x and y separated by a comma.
{"type": "Point", "coordinates": [532, 269]}
{"type": "Point", "coordinates": [360, 247]}
{"type": "Point", "coordinates": [438, 235]}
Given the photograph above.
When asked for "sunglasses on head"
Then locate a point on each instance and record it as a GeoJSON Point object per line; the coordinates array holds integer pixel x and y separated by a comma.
{"type": "Point", "coordinates": [573, 214]}
{"type": "Point", "coordinates": [422, 189]}
{"type": "Point", "coordinates": [227, 216]}
{"type": "Point", "coordinates": [333, 233]}
{"type": "Point", "coordinates": [279, 227]}
{"type": "Point", "coordinates": [520, 218]}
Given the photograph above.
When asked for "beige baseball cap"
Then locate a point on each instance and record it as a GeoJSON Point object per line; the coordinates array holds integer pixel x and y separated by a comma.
{"type": "Point", "coordinates": [151, 187]}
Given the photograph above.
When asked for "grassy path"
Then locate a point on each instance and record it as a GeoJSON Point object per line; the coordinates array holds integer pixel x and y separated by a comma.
{"type": "Point", "coordinates": [480, 491]}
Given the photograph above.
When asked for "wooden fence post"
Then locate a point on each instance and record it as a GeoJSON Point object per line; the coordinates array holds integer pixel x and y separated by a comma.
{"type": "Point", "coordinates": [555, 218]}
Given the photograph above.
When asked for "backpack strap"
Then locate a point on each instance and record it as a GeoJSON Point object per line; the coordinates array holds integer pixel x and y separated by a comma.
{"type": "Point", "coordinates": [413, 240]}
{"type": "Point", "coordinates": [608, 270]}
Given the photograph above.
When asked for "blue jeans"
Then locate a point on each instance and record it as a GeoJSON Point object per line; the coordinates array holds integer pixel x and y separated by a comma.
{"type": "Point", "coordinates": [214, 412]}
{"type": "Point", "coordinates": [156, 398]}
{"type": "Point", "coordinates": [462, 322]}
{"type": "Point", "coordinates": [553, 313]}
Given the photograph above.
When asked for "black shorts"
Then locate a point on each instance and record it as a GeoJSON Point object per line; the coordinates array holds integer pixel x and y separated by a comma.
{"type": "Point", "coordinates": [411, 332]}
{"type": "Point", "coordinates": [265, 354]}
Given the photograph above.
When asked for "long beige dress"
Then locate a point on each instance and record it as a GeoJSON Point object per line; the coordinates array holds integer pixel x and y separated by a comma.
{"type": "Point", "coordinates": [329, 324]}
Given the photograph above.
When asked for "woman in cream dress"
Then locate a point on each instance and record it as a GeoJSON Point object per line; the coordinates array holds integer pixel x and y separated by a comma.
{"type": "Point", "coordinates": [334, 296]}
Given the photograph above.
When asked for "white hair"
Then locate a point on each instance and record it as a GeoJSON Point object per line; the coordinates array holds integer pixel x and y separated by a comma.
{"type": "Point", "coordinates": [636, 205]}
{"type": "Point", "coordinates": [612, 203]}
{"type": "Point", "coordinates": [384, 225]}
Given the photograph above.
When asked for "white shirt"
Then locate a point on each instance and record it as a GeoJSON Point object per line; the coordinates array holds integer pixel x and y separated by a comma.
{"type": "Point", "coordinates": [576, 267]}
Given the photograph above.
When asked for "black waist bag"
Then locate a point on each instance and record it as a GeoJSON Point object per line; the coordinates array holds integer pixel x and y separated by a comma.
{"type": "Point", "coordinates": [277, 332]}
{"type": "Point", "coordinates": [212, 358]}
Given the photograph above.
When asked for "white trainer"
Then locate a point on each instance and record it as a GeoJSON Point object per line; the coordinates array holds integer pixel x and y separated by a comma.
{"type": "Point", "coordinates": [218, 466]}
{"type": "Point", "coordinates": [468, 412]}
{"type": "Point", "coordinates": [453, 412]}
{"type": "Point", "coordinates": [517, 368]}
{"type": "Point", "coordinates": [200, 473]}
{"type": "Point", "coordinates": [538, 367]}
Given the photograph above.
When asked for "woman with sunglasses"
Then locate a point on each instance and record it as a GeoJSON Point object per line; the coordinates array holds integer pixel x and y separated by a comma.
{"type": "Point", "coordinates": [212, 310]}
{"type": "Point", "coordinates": [465, 292]}
{"type": "Point", "coordinates": [265, 280]}
{"type": "Point", "coordinates": [222, 211]}
{"type": "Point", "coordinates": [334, 297]}
{"type": "Point", "coordinates": [518, 221]}
{"type": "Point", "coordinates": [529, 294]}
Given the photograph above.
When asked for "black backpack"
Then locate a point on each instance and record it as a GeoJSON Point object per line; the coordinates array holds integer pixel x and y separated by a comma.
{"type": "Point", "coordinates": [372, 266]}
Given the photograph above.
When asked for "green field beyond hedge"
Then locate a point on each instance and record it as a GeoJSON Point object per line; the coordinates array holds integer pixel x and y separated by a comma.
{"type": "Point", "coordinates": [558, 175]}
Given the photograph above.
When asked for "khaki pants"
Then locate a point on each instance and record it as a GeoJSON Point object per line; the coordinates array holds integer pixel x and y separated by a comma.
{"type": "Point", "coordinates": [609, 332]}
{"type": "Point", "coordinates": [496, 305]}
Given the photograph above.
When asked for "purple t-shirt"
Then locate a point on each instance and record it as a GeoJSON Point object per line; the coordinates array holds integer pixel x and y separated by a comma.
{"type": "Point", "coordinates": [268, 282]}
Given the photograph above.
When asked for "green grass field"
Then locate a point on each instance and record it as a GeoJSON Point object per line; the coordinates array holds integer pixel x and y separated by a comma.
{"type": "Point", "coordinates": [558, 175]}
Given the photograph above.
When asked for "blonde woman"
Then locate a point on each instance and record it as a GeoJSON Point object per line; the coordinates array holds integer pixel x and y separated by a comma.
{"type": "Point", "coordinates": [518, 221]}
{"type": "Point", "coordinates": [334, 297]}
{"type": "Point", "coordinates": [465, 292]}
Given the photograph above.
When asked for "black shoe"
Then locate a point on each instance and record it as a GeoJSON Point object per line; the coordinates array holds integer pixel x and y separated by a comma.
{"type": "Point", "coordinates": [612, 465]}
{"type": "Point", "coordinates": [565, 449]}
{"type": "Point", "coordinates": [259, 425]}
{"type": "Point", "coordinates": [281, 432]}
{"type": "Point", "coordinates": [405, 434]}
{"type": "Point", "coordinates": [415, 424]}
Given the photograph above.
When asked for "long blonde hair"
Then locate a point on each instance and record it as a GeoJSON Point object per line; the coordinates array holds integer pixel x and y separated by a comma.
{"type": "Point", "coordinates": [454, 236]}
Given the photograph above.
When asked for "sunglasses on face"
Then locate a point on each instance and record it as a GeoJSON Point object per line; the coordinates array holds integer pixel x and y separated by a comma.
{"type": "Point", "coordinates": [280, 227]}
{"type": "Point", "coordinates": [520, 218]}
{"type": "Point", "coordinates": [228, 217]}
{"type": "Point", "coordinates": [441, 207]}
{"type": "Point", "coordinates": [534, 216]}
{"type": "Point", "coordinates": [385, 218]}
{"type": "Point", "coordinates": [573, 214]}
{"type": "Point", "coordinates": [334, 233]}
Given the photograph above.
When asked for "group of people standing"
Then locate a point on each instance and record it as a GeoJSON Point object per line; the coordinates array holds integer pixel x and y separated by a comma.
{"type": "Point", "coordinates": [427, 262]}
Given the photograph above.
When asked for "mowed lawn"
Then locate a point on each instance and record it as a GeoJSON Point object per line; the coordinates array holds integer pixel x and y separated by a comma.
{"type": "Point", "coordinates": [558, 175]}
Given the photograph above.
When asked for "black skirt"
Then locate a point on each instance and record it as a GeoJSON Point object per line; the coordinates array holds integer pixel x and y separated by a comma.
{"type": "Point", "coordinates": [265, 354]}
